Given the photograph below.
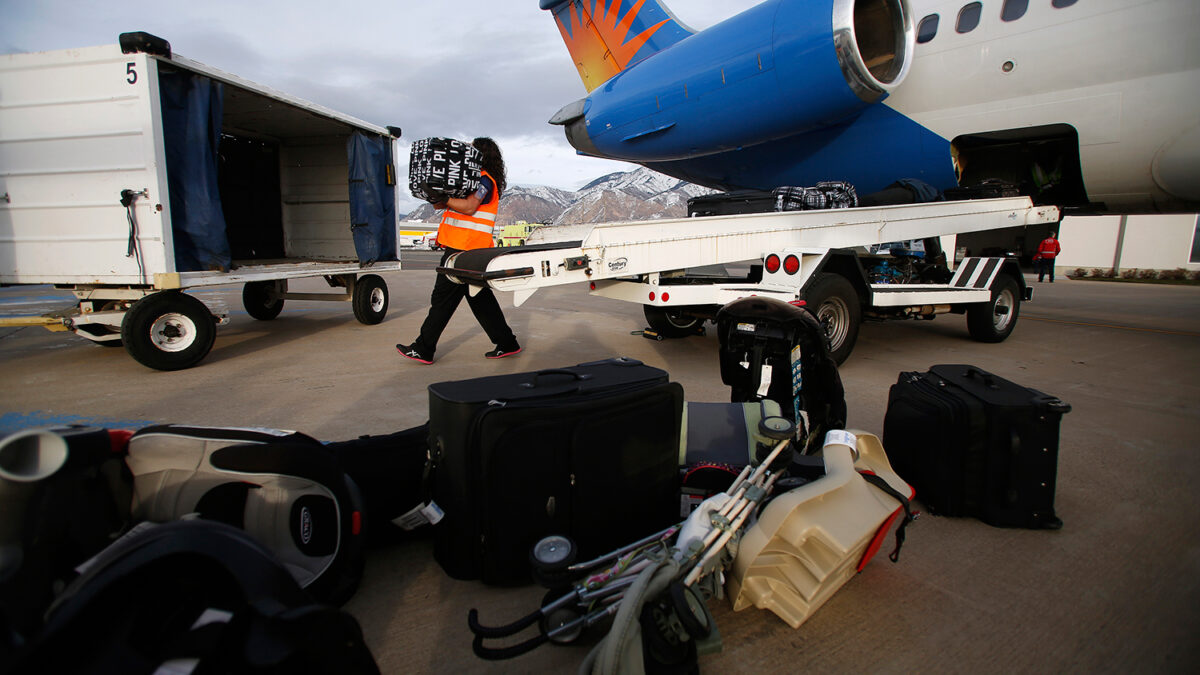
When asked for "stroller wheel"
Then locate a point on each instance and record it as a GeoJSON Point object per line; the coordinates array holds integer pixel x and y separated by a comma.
{"type": "Point", "coordinates": [691, 610]}
{"type": "Point", "coordinates": [557, 620]}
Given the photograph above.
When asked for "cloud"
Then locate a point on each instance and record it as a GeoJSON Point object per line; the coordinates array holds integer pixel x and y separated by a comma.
{"type": "Point", "coordinates": [462, 69]}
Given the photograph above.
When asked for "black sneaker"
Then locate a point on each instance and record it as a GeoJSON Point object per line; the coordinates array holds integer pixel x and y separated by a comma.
{"type": "Point", "coordinates": [410, 352]}
{"type": "Point", "coordinates": [499, 353]}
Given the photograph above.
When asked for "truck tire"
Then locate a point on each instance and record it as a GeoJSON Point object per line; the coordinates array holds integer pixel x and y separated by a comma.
{"type": "Point", "coordinates": [370, 299]}
{"type": "Point", "coordinates": [168, 330]}
{"type": "Point", "coordinates": [261, 299]}
{"type": "Point", "coordinates": [671, 322]}
{"type": "Point", "coordinates": [834, 302]}
{"type": "Point", "coordinates": [994, 320]}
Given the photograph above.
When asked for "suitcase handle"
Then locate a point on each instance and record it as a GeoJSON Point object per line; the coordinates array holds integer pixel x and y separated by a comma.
{"type": "Point", "coordinates": [578, 377]}
{"type": "Point", "coordinates": [988, 380]}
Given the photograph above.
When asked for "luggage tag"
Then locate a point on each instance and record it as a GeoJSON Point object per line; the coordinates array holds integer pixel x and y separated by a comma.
{"type": "Point", "coordinates": [764, 382]}
{"type": "Point", "coordinates": [422, 514]}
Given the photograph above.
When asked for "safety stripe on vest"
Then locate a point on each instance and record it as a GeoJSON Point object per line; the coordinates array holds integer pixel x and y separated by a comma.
{"type": "Point", "coordinates": [485, 228]}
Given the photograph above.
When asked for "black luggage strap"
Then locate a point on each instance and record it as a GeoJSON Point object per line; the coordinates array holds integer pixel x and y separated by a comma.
{"type": "Point", "coordinates": [909, 515]}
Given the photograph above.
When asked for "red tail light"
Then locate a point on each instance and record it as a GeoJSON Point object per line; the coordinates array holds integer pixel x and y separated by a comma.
{"type": "Point", "coordinates": [791, 264]}
{"type": "Point", "coordinates": [772, 263]}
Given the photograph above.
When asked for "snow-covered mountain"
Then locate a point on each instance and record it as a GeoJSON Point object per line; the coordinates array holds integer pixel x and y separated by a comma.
{"type": "Point", "coordinates": [641, 194]}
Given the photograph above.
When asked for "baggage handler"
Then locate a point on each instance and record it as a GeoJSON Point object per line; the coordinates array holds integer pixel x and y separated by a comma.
{"type": "Point", "coordinates": [467, 224]}
{"type": "Point", "coordinates": [1043, 260]}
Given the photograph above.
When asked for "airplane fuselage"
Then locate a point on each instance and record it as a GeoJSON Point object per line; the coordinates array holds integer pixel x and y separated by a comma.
{"type": "Point", "coordinates": [1091, 102]}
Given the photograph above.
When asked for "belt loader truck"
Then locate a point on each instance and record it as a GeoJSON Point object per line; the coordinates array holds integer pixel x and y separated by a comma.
{"type": "Point", "coordinates": [826, 260]}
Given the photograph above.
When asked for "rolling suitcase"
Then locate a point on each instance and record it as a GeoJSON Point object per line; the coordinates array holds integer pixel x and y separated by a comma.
{"type": "Point", "coordinates": [590, 452]}
{"type": "Point", "coordinates": [974, 444]}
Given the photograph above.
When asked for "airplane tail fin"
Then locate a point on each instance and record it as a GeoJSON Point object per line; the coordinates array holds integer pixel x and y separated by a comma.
{"type": "Point", "coordinates": [604, 37]}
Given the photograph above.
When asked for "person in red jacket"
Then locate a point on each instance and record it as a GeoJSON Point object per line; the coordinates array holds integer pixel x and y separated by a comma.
{"type": "Point", "coordinates": [467, 224]}
{"type": "Point", "coordinates": [1043, 260]}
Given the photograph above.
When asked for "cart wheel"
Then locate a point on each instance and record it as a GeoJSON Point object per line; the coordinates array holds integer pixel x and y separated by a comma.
{"type": "Point", "coordinates": [556, 620]}
{"type": "Point", "coordinates": [169, 330]}
{"type": "Point", "coordinates": [691, 610]}
{"type": "Point", "coordinates": [835, 304]}
{"type": "Point", "coordinates": [994, 320]}
{"type": "Point", "coordinates": [261, 299]}
{"type": "Point", "coordinates": [370, 299]}
{"type": "Point", "coordinates": [672, 322]}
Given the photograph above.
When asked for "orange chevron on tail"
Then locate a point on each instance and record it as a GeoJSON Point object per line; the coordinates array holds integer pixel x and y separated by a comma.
{"type": "Point", "coordinates": [603, 40]}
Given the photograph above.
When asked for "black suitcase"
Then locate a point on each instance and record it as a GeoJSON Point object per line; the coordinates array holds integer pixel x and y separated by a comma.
{"type": "Point", "coordinates": [974, 444]}
{"type": "Point", "coordinates": [590, 452]}
{"type": "Point", "coordinates": [991, 188]}
{"type": "Point", "coordinates": [731, 203]}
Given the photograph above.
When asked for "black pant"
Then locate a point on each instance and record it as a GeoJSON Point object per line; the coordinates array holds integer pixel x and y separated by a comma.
{"type": "Point", "coordinates": [1045, 266]}
{"type": "Point", "coordinates": [444, 300]}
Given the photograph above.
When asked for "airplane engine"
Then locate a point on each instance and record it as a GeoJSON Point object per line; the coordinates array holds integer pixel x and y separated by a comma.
{"type": "Point", "coordinates": [780, 68]}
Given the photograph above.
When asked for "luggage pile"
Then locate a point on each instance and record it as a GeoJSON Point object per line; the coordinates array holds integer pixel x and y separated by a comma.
{"type": "Point", "coordinates": [439, 168]}
{"type": "Point", "coordinates": [526, 477]}
{"type": "Point", "coordinates": [824, 195]}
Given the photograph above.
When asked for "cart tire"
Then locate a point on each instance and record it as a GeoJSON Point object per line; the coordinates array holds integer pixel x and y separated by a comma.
{"type": "Point", "coordinates": [835, 304]}
{"type": "Point", "coordinates": [260, 298]}
{"type": "Point", "coordinates": [169, 330]}
{"type": "Point", "coordinates": [993, 321]}
{"type": "Point", "coordinates": [691, 610]}
{"type": "Point", "coordinates": [671, 322]}
{"type": "Point", "coordinates": [370, 299]}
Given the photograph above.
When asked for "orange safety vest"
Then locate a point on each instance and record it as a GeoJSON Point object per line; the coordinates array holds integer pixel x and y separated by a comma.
{"type": "Point", "coordinates": [463, 232]}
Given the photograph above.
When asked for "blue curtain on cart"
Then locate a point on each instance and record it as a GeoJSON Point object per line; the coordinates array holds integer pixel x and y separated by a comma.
{"type": "Point", "coordinates": [372, 197]}
{"type": "Point", "coordinates": [191, 116]}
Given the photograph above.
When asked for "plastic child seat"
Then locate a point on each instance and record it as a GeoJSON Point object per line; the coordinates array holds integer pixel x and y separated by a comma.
{"type": "Point", "coordinates": [809, 541]}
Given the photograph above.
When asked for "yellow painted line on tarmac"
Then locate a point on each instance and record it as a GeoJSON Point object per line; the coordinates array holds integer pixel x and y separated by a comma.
{"type": "Point", "coordinates": [1185, 333]}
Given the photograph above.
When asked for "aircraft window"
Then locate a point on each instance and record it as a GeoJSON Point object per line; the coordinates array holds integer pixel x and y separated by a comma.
{"type": "Point", "coordinates": [1013, 9]}
{"type": "Point", "coordinates": [1059, 4]}
{"type": "Point", "coordinates": [968, 17]}
{"type": "Point", "coordinates": [927, 29]}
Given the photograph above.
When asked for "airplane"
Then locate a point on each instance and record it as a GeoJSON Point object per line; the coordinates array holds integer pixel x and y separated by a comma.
{"type": "Point", "coordinates": [1083, 103]}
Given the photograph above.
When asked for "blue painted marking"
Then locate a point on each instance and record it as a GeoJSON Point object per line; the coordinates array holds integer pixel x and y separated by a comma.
{"type": "Point", "coordinates": [13, 422]}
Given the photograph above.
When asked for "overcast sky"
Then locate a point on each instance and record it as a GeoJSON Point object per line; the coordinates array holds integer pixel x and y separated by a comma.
{"type": "Point", "coordinates": [421, 65]}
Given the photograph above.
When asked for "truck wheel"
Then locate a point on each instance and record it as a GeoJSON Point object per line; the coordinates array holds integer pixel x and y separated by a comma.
{"type": "Point", "coordinates": [168, 330]}
{"type": "Point", "coordinates": [833, 301]}
{"type": "Point", "coordinates": [671, 322]}
{"type": "Point", "coordinates": [993, 321]}
{"type": "Point", "coordinates": [261, 299]}
{"type": "Point", "coordinates": [370, 299]}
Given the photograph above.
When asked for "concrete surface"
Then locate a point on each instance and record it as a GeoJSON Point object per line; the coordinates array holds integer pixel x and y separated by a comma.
{"type": "Point", "coordinates": [1116, 590]}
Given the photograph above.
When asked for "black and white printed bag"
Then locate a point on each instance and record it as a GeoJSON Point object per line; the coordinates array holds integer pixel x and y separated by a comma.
{"type": "Point", "coordinates": [443, 167]}
{"type": "Point", "coordinates": [825, 195]}
{"type": "Point", "coordinates": [285, 489]}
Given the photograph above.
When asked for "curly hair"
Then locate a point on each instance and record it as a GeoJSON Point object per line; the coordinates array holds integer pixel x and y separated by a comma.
{"type": "Point", "coordinates": [493, 162]}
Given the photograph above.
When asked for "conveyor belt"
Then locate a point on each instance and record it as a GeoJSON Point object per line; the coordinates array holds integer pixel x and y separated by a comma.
{"type": "Point", "coordinates": [471, 266]}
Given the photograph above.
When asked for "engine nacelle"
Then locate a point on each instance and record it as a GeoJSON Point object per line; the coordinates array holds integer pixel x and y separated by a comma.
{"type": "Point", "coordinates": [780, 68]}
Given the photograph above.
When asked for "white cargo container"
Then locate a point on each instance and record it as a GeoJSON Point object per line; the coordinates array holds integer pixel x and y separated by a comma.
{"type": "Point", "coordinates": [129, 174]}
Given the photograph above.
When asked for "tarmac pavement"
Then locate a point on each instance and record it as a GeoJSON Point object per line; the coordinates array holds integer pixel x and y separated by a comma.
{"type": "Point", "coordinates": [1116, 590]}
